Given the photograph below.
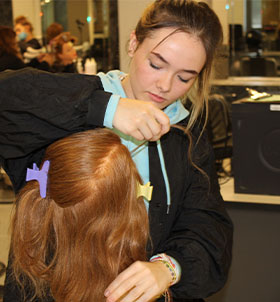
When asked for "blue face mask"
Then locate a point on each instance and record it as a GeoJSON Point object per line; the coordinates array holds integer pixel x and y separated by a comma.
{"type": "Point", "coordinates": [22, 36]}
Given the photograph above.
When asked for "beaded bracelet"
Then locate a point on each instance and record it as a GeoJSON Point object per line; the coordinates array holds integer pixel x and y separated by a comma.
{"type": "Point", "coordinates": [167, 296]}
{"type": "Point", "coordinates": [169, 264]}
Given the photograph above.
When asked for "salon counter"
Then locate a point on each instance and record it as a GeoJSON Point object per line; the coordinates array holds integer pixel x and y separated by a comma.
{"type": "Point", "coordinates": [227, 191]}
{"type": "Point", "coordinates": [247, 81]}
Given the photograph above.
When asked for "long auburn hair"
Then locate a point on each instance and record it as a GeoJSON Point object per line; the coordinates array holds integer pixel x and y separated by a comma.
{"type": "Point", "coordinates": [90, 226]}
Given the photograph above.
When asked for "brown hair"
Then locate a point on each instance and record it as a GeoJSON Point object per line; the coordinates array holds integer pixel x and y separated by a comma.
{"type": "Point", "coordinates": [90, 226]}
{"type": "Point", "coordinates": [53, 30]}
{"type": "Point", "coordinates": [8, 42]}
{"type": "Point", "coordinates": [58, 41]}
{"type": "Point", "coordinates": [24, 21]}
{"type": "Point", "coordinates": [195, 18]}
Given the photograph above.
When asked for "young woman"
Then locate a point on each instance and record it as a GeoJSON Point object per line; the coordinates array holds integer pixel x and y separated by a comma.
{"type": "Point", "coordinates": [172, 51]}
{"type": "Point", "coordinates": [82, 213]}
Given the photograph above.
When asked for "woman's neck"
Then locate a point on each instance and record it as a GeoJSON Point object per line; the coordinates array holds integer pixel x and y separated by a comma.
{"type": "Point", "coordinates": [127, 87]}
{"type": "Point", "coordinates": [29, 37]}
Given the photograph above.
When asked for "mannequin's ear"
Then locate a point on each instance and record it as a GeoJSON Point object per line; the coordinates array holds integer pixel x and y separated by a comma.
{"type": "Point", "coordinates": [133, 43]}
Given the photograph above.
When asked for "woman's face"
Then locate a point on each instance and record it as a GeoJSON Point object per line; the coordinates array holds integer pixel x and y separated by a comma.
{"type": "Point", "coordinates": [22, 29]}
{"type": "Point", "coordinates": [163, 70]}
{"type": "Point", "coordinates": [19, 28]}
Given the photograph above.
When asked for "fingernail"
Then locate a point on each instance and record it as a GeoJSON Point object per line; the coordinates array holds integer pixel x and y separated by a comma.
{"type": "Point", "coordinates": [106, 293]}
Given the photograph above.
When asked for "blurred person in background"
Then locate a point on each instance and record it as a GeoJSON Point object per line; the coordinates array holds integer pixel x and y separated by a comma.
{"type": "Point", "coordinates": [24, 31]}
{"type": "Point", "coordinates": [65, 53]}
{"type": "Point", "coordinates": [10, 57]}
{"type": "Point", "coordinates": [62, 56]}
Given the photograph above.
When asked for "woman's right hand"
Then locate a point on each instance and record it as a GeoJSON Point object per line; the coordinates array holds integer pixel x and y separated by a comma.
{"type": "Point", "coordinates": [140, 119]}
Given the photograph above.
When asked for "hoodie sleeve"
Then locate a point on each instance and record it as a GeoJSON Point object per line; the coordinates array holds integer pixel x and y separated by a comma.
{"type": "Point", "coordinates": [38, 108]}
{"type": "Point", "coordinates": [204, 252]}
{"type": "Point", "coordinates": [197, 232]}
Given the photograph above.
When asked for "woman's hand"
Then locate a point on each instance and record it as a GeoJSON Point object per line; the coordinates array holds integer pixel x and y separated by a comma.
{"type": "Point", "coordinates": [47, 57]}
{"type": "Point", "coordinates": [141, 282]}
{"type": "Point", "coordinates": [140, 119]}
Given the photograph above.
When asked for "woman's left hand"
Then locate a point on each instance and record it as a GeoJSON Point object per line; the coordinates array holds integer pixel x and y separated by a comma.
{"type": "Point", "coordinates": [141, 282]}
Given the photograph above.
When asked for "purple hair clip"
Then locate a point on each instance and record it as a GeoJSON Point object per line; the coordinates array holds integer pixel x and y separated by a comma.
{"type": "Point", "coordinates": [40, 175]}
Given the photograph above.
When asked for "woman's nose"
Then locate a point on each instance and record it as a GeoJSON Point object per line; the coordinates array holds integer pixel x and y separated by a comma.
{"type": "Point", "coordinates": [164, 82]}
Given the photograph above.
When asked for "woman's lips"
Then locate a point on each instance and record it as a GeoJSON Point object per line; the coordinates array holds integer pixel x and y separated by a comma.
{"type": "Point", "coordinates": [156, 98]}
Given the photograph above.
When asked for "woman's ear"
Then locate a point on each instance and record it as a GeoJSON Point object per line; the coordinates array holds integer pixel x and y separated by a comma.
{"type": "Point", "coordinates": [133, 43]}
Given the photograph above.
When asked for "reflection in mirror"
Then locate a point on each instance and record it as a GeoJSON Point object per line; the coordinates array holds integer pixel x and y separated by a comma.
{"type": "Point", "coordinates": [254, 40]}
{"type": "Point", "coordinates": [92, 22]}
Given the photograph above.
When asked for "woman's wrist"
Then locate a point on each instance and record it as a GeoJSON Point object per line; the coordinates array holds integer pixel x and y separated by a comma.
{"type": "Point", "coordinates": [111, 110]}
{"type": "Point", "coordinates": [170, 264]}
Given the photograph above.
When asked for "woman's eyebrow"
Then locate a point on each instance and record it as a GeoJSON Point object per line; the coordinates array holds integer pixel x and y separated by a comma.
{"type": "Point", "coordinates": [166, 62]}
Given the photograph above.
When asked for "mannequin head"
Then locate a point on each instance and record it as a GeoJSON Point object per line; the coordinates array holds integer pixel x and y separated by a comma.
{"type": "Point", "coordinates": [63, 48]}
{"type": "Point", "coordinates": [91, 222]}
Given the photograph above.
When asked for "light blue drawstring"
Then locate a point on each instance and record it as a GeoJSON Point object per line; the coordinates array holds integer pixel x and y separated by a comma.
{"type": "Point", "coordinates": [165, 177]}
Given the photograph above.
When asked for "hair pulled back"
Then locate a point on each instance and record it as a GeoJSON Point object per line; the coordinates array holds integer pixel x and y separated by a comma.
{"type": "Point", "coordinates": [90, 226]}
{"type": "Point", "coordinates": [195, 18]}
{"type": "Point", "coordinates": [53, 30]}
{"type": "Point", "coordinates": [58, 41]}
{"type": "Point", "coordinates": [24, 22]}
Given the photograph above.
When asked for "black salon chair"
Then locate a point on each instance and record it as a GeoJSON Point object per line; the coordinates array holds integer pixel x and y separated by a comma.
{"type": "Point", "coordinates": [258, 66]}
{"type": "Point", "coordinates": [219, 129]}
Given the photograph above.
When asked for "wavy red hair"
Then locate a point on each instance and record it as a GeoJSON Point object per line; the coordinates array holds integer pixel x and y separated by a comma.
{"type": "Point", "coordinates": [90, 226]}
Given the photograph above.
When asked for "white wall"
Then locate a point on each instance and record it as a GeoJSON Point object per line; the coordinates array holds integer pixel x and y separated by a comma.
{"type": "Point", "coordinates": [31, 9]}
{"type": "Point", "coordinates": [129, 13]}
{"type": "Point", "coordinates": [219, 6]}
{"type": "Point", "coordinates": [131, 10]}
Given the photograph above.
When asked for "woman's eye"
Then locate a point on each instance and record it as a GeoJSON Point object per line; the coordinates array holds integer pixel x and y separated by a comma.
{"type": "Point", "coordinates": [154, 66]}
{"type": "Point", "coordinates": [183, 80]}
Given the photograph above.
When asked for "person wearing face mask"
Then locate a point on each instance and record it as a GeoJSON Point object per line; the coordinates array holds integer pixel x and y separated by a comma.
{"type": "Point", "coordinates": [24, 31]}
{"type": "Point", "coordinates": [172, 51]}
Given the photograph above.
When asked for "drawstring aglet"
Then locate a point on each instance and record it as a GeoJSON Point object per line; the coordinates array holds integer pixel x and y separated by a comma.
{"type": "Point", "coordinates": [168, 206]}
